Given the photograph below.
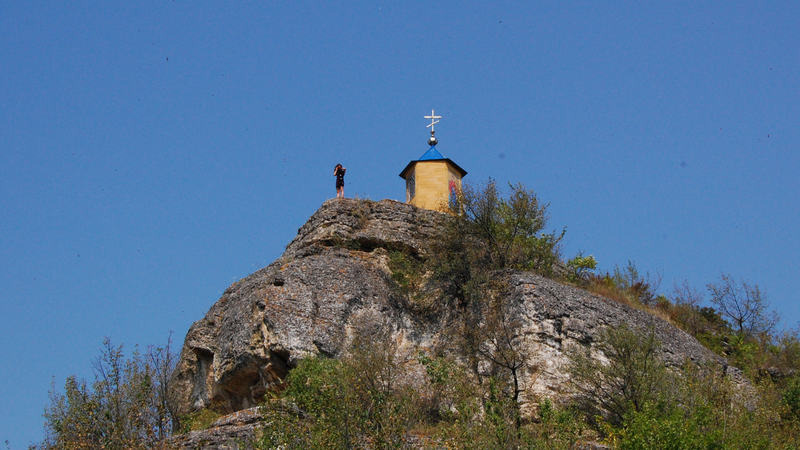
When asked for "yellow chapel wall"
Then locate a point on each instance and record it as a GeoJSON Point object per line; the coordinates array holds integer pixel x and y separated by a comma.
{"type": "Point", "coordinates": [432, 180]}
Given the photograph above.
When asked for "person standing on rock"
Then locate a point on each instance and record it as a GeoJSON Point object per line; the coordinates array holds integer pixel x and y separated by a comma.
{"type": "Point", "coordinates": [338, 172]}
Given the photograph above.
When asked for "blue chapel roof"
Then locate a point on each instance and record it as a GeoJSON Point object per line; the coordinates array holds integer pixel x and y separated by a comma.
{"type": "Point", "coordinates": [432, 155]}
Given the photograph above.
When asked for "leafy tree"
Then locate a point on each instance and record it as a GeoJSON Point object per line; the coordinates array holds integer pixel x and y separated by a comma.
{"type": "Point", "coordinates": [485, 236]}
{"type": "Point", "coordinates": [655, 428]}
{"type": "Point", "coordinates": [129, 405]}
{"type": "Point", "coordinates": [317, 410]}
{"type": "Point", "coordinates": [504, 232]}
{"type": "Point", "coordinates": [786, 352]}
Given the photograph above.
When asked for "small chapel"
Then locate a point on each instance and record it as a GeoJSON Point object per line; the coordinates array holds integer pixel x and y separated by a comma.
{"type": "Point", "coordinates": [432, 181]}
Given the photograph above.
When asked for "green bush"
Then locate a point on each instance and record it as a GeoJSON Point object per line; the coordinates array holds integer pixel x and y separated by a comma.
{"type": "Point", "coordinates": [506, 232]}
{"type": "Point", "coordinates": [343, 403]}
{"type": "Point", "coordinates": [579, 268]}
{"type": "Point", "coordinates": [634, 377]}
{"type": "Point", "coordinates": [653, 428]}
{"type": "Point", "coordinates": [791, 398]}
{"type": "Point", "coordinates": [130, 404]}
{"type": "Point", "coordinates": [559, 428]}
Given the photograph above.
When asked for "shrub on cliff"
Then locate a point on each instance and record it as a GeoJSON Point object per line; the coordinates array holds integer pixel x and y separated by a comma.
{"type": "Point", "coordinates": [634, 376]}
{"type": "Point", "coordinates": [343, 403]}
{"type": "Point", "coordinates": [636, 402]}
{"type": "Point", "coordinates": [465, 271]}
{"type": "Point", "coordinates": [485, 233]}
{"type": "Point", "coordinates": [499, 232]}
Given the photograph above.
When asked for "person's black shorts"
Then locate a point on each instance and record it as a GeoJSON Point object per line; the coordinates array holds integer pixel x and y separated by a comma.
{"type": "Point", "coordinates": [339, 184]}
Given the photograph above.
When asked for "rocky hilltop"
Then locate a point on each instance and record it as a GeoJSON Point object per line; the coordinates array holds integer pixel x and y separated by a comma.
{"type": "Point", "coordinates": [337, 270]}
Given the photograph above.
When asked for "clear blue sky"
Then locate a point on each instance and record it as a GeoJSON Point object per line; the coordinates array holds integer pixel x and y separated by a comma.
{"type": "Point", "coordinates": [153, 152]}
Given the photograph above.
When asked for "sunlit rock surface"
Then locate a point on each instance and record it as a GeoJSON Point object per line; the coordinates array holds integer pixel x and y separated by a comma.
{"type": "Point", "coordinates": [336, 270]}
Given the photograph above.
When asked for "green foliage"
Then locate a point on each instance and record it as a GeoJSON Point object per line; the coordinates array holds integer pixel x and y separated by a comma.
{"type": "Point", "coordinates": [645, 406]}
{"type": "Point", "coordinates": [579, 267]}
{"type": "Point", "coordinates": [341, 404]}
{"type": "Point", "coordinates": [326, 416]}
{"type": "Point", "coordinates": [560, 428]}
{"type": "Point", "coordinates": [738, 327]}
{"type": "Point", "coordinates": [634, 377]}
{"type": "Point", "coordinates": [408, 276]}
{"type": "Point", "coordinates": [791, 398]}
{"type": "Point", "coordinates": [198, 420]}
{"type": "Point", "coordinates": [652, 428]}
{"type": "Point", "coordinates": [709, 412]}
{"type": "Point", "coordinates": [499, 233]}
{"type": "Point", "coordinates": [128, 406]}
{"type": "Point", "coordinates": [438, 369]}
{"type": "Point", "coordinates": [446, 388]}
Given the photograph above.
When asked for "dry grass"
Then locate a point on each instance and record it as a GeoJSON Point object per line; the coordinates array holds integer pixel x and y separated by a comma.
{"type": "Point", "coordinates": [613, 293]}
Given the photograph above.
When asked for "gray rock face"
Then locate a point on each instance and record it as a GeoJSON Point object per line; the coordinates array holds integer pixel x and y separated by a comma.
{"type": "Point", "coordinates": [555, 318]}
{"type": "Point", "coordinates": [336, 270]}
{"type": "Point", "coordinates": [235, 431]}
{"type": "Point", "coordinates": [301, 304]}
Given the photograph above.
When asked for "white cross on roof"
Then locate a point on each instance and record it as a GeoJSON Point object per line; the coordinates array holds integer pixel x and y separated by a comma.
{"type": "Point", "coordinates": [433, 118]}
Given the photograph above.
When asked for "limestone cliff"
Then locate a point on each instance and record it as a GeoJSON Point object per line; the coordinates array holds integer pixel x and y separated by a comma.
{"type": "Point", "coordinates": [335, 271]}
